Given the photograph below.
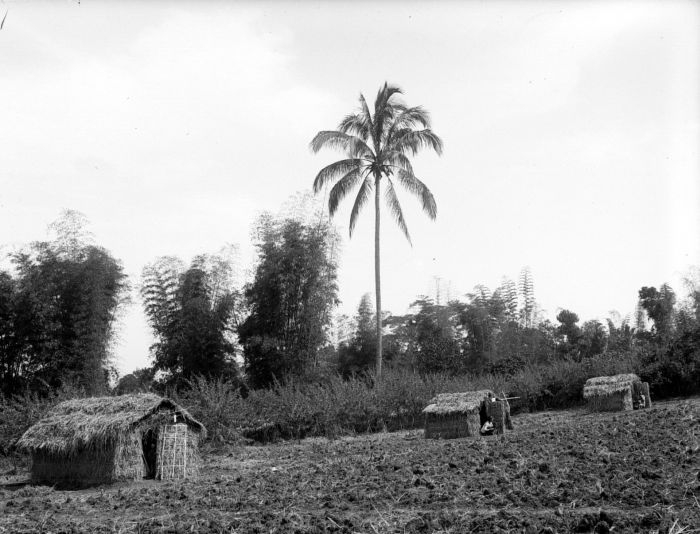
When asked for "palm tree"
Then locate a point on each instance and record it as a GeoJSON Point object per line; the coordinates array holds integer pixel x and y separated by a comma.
{"type": "Point", "coordinates": [377, 147]}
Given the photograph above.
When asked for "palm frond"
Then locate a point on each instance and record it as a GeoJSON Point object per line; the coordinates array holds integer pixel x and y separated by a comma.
{"type": "Point", "coordinates": [341, 189]}
{"type": "Point", "coordinates": [409, 118]}
{"type": "Point", "coordinates": [354, 124]}
{"type": "Point", "coordinates": [398, 160]}
{"type": "Point", "coordinates": [385, 110]}
{"type": "Point", "coordinates": [333, 171]}
{"type": "Point", "coordinates": [351, 144]}
{"type": "Point", "coordinates": [384, 95]}
{"type": "Point", "coordinates": [419, 189]}
{"type": "Point", "coordinates": [360, 200]}
{"type": "Point", "coordinates": [414, 140]}
{"type": "Point", "coordinates": [395, 207]}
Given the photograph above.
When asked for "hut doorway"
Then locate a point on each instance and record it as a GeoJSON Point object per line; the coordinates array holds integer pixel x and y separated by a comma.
{"type": "Point", "coordinates": [149, 442]}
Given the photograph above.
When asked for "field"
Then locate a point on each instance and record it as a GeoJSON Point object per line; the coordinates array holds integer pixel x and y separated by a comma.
{"type": "Point", "coordinates": [566, 471]}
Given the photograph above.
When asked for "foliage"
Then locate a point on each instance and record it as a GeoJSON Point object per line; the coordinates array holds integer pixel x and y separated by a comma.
{"type": "Point", "coordinates": [377, 146]}
{"type": "Point", "coordinates": [659, 307]}
{"type": "Point", "coordinates": [569, 333]}
{"type": "Point", "coordinates": [216, 403]}
{"type": "Point", "coordinates": [20, 411]}
{"type": "Point", "coordinates": [358, 355]}
{"type": "Point", "coordinates": [529, 309]}
{"type": "Point", "coordinates": [366, 403]}
{"type": "Point", "coordinates": [485, 333]}
{"type": "Point", "coordinates": [58, 313]}
{"type": "Point", "coordinates": [138, 381]}
{"type": "Point", "coordinates": [290, 299]}
{"type": "Point", "coordinates": [193, 313]}
{"type": "Point", "coordinates": [670, 352]}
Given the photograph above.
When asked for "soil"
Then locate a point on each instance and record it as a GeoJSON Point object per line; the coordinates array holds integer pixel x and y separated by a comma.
{"type": "Point", "coordinates": [568, 471]}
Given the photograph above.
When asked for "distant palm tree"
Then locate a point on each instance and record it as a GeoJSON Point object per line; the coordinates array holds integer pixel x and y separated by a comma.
{"type": "Point", "coordinates": [377, 146]}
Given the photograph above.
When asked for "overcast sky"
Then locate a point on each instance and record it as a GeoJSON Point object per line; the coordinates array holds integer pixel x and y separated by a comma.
{"type": "Point", "coordinates": [571, 135]}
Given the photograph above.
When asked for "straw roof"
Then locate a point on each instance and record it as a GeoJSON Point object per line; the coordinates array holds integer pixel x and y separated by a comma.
{"type": "Point", "coordinates": [445, 403]}
{"type": "Point", "coordinates": [608, 385]}
{"type": "Point", "coordinates": [97, 422]}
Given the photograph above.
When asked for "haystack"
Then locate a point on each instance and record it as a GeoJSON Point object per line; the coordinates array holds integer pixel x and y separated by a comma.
{"type": "Point", "coordinates": [615, 393]}
{"type": "Point", "coordinates": [99, 440]}
{"type": "Point", "coordinates": [456, 415]}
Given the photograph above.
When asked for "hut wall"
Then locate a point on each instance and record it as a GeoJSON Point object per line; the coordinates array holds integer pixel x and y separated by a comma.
{"type": "Point", "coordinates": [647, 395]}
{"type": "Point", "coordinates": [509, 421]}
{"type": "Point", "coordinates": [84, 468]}
{"type": "Point", "coordinates": [178, 452]}
{"type": "Point", "coordinates": [129, 462]}
{"type": "Point", "coordinates": [90, 467]}
{"type": "Point", "coordinates": [613, 402]}
{"type": "Point", "coordinates": [497, 411]}
{"type": "Point", "coordinates": [451, 425]}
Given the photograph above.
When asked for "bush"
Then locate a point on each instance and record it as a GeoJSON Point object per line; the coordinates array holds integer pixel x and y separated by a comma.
{"type": "Point", "coordinates": [672, 370]}
{"type": "Point", "coordinates": [216, 403]}
{"type": "Point", "coordinates": [19, 412]}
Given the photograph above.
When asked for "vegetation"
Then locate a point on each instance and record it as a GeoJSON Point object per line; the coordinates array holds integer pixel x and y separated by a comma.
{"type": "Point", "coordinates": [57, 312]}
{"type": "Point", "coordinates": [193, 314]}
{"type": "Point", "coordinates": [377, 146]}
{"type": "Point", "coordinates": [290, 300]}
{"type": "Point", "coordinates": [258, 361]}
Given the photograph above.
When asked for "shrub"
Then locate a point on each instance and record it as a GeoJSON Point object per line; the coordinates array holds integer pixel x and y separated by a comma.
{"type": "Point", "coordinates": [216, 403]}
{"type": "Point", "coordinates": [19, 412]}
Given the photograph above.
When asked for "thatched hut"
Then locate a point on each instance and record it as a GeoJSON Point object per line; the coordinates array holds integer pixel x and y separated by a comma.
{"type": "Point", "coordinates": [616, 393]}
{"type": "Point", "coordinates": [99, 440]}
{"type": "Point", "coordinates": [456, 415]}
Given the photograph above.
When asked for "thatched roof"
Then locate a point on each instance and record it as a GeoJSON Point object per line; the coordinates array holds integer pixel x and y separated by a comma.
{"type": "Point", "coordinates": [608, 385]}
{"type": "Point", "coordinates": [97, 422]}
{"type": "Point", "coordinates": [469, 401]}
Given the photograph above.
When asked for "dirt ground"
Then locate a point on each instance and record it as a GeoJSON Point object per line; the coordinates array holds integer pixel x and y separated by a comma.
{"type": "Point", "coordinates": [566, 471]}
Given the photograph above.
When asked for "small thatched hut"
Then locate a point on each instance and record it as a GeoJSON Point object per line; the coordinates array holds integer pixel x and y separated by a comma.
{"type": "Point", "coordinates": [99, 440]}
{"type": "Point", "coordinates": [616, 393]}
{"type": "Point", "coordinates": [456, 415]}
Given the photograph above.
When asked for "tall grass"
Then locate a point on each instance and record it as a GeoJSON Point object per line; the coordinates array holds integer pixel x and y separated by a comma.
{"type": "Point", "coordinates": [334, 406]}
{"type": "Point", "coordinates": [364, 403]}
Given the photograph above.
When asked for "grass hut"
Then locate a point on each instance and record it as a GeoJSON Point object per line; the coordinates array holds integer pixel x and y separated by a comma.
{"type": "Point", "coordinates": [615, 393]}
{"type": "Point", "coordinates": [457, 415]}
{"type": "Point", "coordinates": [99, 440]}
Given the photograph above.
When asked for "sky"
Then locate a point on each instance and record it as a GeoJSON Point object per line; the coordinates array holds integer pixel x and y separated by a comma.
{"type": "Point", "coordinates": [571, 134]}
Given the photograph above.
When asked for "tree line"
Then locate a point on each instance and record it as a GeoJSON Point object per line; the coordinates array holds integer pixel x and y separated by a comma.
{"type": "Point", "coordinates": [60, 301]}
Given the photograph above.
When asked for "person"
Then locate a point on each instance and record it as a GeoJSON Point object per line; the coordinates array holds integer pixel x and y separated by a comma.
{"type": "Point", "coordinates": [487, 428]}
{"type": "Point", "coordinates": [642, 401]}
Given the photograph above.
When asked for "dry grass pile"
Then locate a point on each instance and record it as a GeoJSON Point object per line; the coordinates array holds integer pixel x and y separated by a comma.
{"type": "Point", "coordinates": [463, 403]}
{"type": "Point", "coordinates": [605, 385]}
{"type": "Point", "coordinates": [610, 393]}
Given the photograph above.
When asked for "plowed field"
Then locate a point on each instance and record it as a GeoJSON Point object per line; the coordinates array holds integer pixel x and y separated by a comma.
{"type": "Point", "coordinates": [557, 472]}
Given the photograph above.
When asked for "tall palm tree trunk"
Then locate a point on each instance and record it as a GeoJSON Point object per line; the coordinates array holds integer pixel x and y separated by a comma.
{"type": "Point", "coordinates": [377, 276]}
